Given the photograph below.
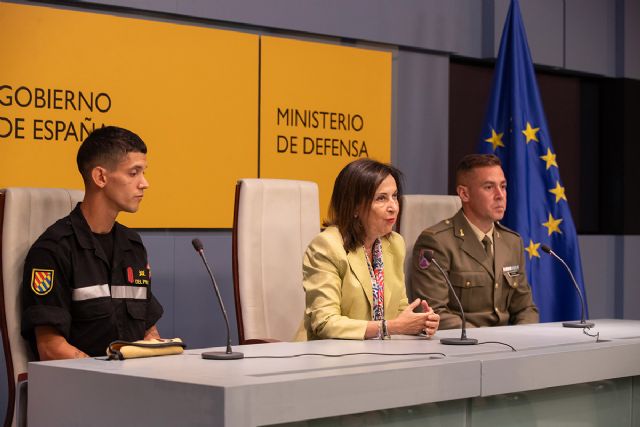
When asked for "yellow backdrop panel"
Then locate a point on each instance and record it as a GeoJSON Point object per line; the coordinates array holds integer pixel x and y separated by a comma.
{"type": "Point", "coordinates": [189, 92]}
{"type": "Point", "coordinates": [322, 106]}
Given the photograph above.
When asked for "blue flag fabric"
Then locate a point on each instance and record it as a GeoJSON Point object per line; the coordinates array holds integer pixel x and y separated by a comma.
{"type": "Point", "coordinates": [515, 129]}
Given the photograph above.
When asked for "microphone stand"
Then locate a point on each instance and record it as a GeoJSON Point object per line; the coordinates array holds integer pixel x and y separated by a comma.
{"type": "Point", "coordinates": [217, 355]}
{"type": "Point", "coordinates": [463, 340]}
{"type": "Point", "coordinates": [583, 321]}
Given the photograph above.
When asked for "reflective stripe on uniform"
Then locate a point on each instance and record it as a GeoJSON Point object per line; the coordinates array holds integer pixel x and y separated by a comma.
{"type": "Point", "coordinates": [131, 292]}
{"type": "Point", "coordinates": [90, 292]}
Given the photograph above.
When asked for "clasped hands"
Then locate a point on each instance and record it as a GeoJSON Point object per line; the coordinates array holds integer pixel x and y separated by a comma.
{"type": "Point", "coordinates": [411, 323]}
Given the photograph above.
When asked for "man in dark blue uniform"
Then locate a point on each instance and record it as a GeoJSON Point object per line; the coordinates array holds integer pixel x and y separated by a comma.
{"type": "Point", "coordinates": [86, 279]}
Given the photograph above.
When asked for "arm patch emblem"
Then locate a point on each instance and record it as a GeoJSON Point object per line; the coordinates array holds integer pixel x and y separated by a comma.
{"type": "Point", "coordinates": [41, 281]}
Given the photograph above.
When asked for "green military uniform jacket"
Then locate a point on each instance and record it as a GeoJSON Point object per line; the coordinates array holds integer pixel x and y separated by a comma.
{"type": "Point", "coordinates": [491, 295]}
{"type": "Point", "coordinates": [338, 288]}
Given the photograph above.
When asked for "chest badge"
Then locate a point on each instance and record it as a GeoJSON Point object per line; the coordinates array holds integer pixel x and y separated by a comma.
{"type": "Point", "coordinates": [130, 275]}
{"type": "Point", "coordinates": [137, 276]}
{"type": "Point", "coordinates": [41, 281]}
{"type": "Point", "coordinates": [511, 269]}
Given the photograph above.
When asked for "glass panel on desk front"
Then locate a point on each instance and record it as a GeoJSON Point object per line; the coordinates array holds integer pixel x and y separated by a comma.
{"type": "Point", "coordinates": [603, 403]}
{"type": "Point", "coordinates": [442, 414]}
{"type": "Point", "coordinates": [609, 403]}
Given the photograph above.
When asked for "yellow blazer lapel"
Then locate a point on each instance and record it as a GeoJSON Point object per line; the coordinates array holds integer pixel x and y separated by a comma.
{"type": "Point", "coordinates": [358, 265]}
{"type": "Point", "coordinates": [387, 258]}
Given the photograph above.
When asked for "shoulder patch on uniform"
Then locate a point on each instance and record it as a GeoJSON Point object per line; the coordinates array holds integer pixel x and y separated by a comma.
{"type": "Point", "coordinates": [41, 281]}
{"type": "Point", "coordinates": [424, 259]}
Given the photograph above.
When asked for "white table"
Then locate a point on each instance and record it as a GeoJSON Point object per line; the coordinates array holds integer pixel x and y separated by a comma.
{"type": "Point", "coordinates": [187, 390]}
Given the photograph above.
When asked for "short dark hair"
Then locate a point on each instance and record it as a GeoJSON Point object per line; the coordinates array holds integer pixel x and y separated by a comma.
{"type": "Point", "coordinates": [474, 161]}
{"type": "Point", "coordinates": [354, 189]}
{"type": "Point", "coordinates": [107, 146]}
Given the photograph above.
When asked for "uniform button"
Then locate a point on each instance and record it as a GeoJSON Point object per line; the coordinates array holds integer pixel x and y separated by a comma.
{"type": "Point", "coordinates": [515, 284]}
{"type": "Point", "coordinates": [496, 309]}
{"type": "Point", "coordinates": [467, 284]}
{"type": "Point", "coordinates": [496, 286]}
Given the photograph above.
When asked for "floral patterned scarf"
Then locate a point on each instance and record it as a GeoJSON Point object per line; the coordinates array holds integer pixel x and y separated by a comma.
{"type": "Point", "coordinates": [376, 271]}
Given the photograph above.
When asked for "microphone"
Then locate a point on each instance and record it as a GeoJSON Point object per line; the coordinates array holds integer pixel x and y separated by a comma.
{"type": "Point", "coordinates": [217, 355]}
{"type": "Point", "coordinates": [583, 322]}
{"type": "Point", "coordinates": [463, 340]}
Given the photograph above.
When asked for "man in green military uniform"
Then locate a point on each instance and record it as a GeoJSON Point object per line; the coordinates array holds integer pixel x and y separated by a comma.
{"type": "Point", "coordinates": [484, 260]}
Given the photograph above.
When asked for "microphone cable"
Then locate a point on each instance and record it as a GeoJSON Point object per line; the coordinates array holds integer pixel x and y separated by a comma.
{"type": "Point", "coordinates": [498, 342]}
{"type": "Point", "coordinates": [586, 330]}
{"type": "Point", "coordinates": [366, 353]}
{"type": "Point", "coordinates": [347, 354]}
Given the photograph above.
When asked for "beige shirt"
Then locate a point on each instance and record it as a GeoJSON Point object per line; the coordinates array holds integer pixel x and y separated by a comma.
{"type": "Point", "coordinates": [479, 233]}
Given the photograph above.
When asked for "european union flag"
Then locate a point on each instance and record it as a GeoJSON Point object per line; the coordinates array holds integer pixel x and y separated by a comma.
{"type": "Point", "coordinates": [515, 129]}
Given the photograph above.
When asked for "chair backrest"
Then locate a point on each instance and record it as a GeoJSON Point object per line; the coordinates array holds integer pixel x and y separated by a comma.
{"type": "Point", "coordinates": [420, 211]}
{"type": "Point", "coordinates": [24, 215]}
{"type": "Point", "coordinates": [274, 221]}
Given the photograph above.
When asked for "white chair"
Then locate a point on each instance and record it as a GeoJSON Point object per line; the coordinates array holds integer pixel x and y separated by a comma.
{"type": "Point", "coordinates": [274, 222]}
{"type": "Point", "coordinates": [420, 211]}
{"type": "Point", "coordinates": [24, 215]}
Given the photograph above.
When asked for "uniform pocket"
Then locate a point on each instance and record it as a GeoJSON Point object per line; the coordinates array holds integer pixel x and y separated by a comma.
{"type": "Point", "coordinates": [93, 326]}
{"type": "Point", "coordinates": [136, 326]}
{"type": "Point", "coordinates": [514, 280]}
{"type": "Point", "coordinates": [474, 288]}
{"type": "Point", "coordinates": [137, 309]}
{"type": "Point", "coordinates": [90, 310]}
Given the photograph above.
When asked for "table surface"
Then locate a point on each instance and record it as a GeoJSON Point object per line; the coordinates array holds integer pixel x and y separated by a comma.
{"type": "Point", "coordinates": [260, 390]}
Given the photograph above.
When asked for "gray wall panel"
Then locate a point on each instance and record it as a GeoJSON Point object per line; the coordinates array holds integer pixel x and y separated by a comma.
{"type": "Point", "coordinates": [423, 121]}
{"type": "Point", "coordinates": [468, 23]}
{"type": "Point", "coordinates": [198, 318]}
{"type": "Point", "coordinates": [428, 24]}
{"type": "Point", "coordinates": [544, 23]}
{"type": "Point", "coordinates": [183, 286]}
{"type": "Point", "coordinates": [466, 27]}
{"type": "Point", "coordinates": [160, 251]}
{"type": "Point", "coordinates": [599, 254]}
{"type": "Point", "coordinates": [631, 296]}
{"type": "Point", "coordinates": [630, 38]}
{"type": "Point", "coordinates": [591, 36]}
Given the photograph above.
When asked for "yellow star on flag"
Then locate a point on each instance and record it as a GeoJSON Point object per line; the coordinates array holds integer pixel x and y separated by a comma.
{"type": "Point", "coordinates": [559, 192]}
{"type": "Point", "coordinates": [530, 133]}
{"type": "Point", "coordinates": [532, 249]}
{"type": "Point", "coordinates": [553, 225]}
{"type": "Point", "coordinates": [495, 140]}
{"type": "Point", "coordinates": [550, 158]}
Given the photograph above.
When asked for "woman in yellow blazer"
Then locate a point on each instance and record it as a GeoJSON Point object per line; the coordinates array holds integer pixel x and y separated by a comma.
{"type": "Point", "coordinates": [353, 273]}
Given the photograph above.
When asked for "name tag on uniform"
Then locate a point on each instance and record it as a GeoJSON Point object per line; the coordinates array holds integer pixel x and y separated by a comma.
{"type": "Point", "coordinates": [137, 276]}
{"type": "Point", "coordinates": [511, 270]}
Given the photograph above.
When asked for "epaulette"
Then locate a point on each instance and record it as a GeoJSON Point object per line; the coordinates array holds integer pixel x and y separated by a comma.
{"type": "Point", "coordinates": [131, 234]}
{"type": "Point", "coordinates": [441, 226]}
{"type": "Point", "coordinates": [507, 229]}
{"type": "Point", "coordinates": [58, 230]}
